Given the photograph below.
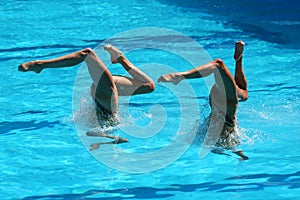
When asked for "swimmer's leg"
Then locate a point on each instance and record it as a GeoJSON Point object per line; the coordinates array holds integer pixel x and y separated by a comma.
{"type": "Point", "coordinates": [225, 83]}
{"type": "Point", "coordinates": [140, 83]}
{"type": "Point", "coordinates": [60, 62]}
{"type": "Point", "coordinates": [104, 88]}
{"type": "Point", "coordinates": [240, 77]}
{"type": "Point", "coordinates": [198, 72]}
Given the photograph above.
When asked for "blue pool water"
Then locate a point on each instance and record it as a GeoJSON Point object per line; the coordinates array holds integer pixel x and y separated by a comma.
{"type": "Point", "coordinates": [44, 152]}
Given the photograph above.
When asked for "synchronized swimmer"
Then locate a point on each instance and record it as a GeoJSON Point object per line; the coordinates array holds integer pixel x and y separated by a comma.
{"type": "Point", "coordinates": [223, 98]}
{"type": "Point", "coordinates": [106, 88]}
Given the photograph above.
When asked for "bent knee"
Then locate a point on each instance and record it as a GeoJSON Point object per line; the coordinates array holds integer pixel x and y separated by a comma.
{"type": "Point", "coordinates": [243, 95]}
{"type": "Point", "coordinates": [145, 88]}
{"type": "Point", "coordinates": [149, 87]}
{"type": "Point", "coordinates": [219, 62]}
{"type": "Point", "coordinates": [87, 51]}
{"type": "Point", "coordinates": [90, 54]}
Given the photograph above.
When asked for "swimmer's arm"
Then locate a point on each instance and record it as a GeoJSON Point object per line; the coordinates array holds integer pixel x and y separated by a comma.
{"type": "Point", "coordinates": [116, 139]}
{"type": "Point", "coordinates": [241, 154]}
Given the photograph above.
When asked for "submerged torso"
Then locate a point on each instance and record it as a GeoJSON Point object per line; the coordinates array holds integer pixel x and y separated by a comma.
{"type": "Point", "coordinates": [223, 118]}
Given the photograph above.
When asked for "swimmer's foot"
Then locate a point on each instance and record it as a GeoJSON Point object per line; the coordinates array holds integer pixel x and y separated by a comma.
{"type": "Point", "coordinates": [239, 50]}
{"type": "Point", "coordinates": [115, 53]}
{"type": "Point", "coordinates": [174, 78]}
{"type": "Point", "coordinates": [30, 66]}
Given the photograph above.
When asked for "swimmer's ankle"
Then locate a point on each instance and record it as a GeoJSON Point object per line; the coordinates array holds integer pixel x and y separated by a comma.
{"type": "Point", "coordinates": [115, 53]}
{"type": "Point", "coordinates": [239, 51]}
{"type": "Point", "coordinates": [121, 59]}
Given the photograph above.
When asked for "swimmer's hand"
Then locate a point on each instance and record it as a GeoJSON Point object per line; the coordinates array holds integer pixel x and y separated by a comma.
{"type": "Point", "coordinates": [94, 146]}
{"type": "Point", "coordinates": [116, 139]}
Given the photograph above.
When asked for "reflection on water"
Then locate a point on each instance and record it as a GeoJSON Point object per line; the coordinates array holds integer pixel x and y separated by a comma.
{"type": "Point", "coordinates": [273, 21]}
{"type": "Point", "coordinates": [247, 183]}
